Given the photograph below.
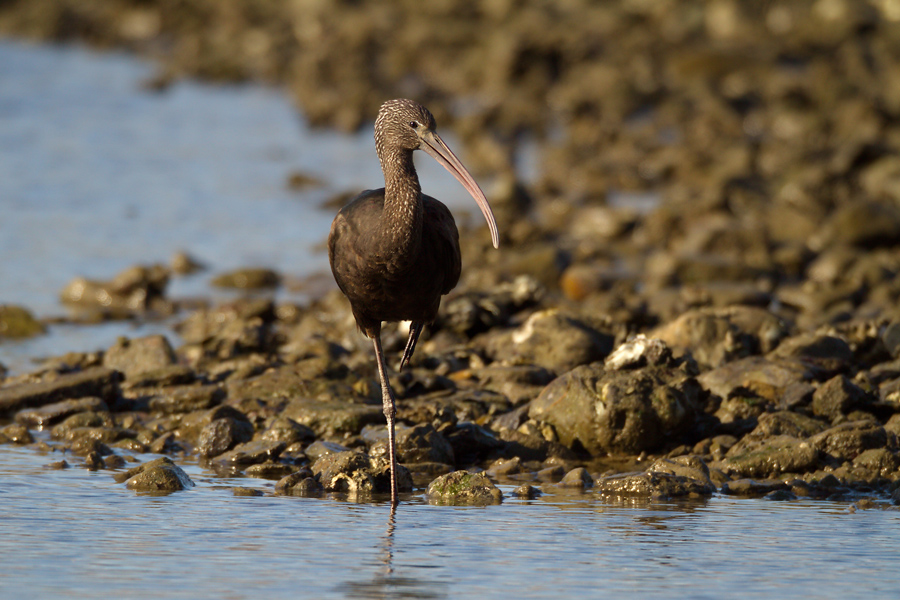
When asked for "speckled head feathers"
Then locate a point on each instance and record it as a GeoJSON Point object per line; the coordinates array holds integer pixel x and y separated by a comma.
{"type": "Point", "coordinates": [400, 123]}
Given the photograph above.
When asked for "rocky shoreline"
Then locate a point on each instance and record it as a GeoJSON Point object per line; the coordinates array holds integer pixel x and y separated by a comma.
{"type": "Point", "coordinates": [699, 292]}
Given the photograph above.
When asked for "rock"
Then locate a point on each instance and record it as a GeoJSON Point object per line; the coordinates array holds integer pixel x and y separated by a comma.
{"type": "Point", "coordinates": [333, 419]}
{"type": "Point", "coordinates": [53, 413]}
{"type": "Point", "coordinates": [838, 397]}
{"type": "Point", "coordinates": [553, 340]}
{"type": "Point", "coordinates": [690, 467]}
{"type": "Point", "coordinates": [302, 483]}
{"type": "Point", "coordinates": [519, 383]}
{"type": "Point", "coordinates": [185, 399]}
{"type": "Point", "coordinates": [160, 475]}
{"type": "Point", "coordinates": [770, 457]}
{"type": "Point", "coordinates": [552, 474]}
{"type": "Point", "coordinates": [247, 279]}
{"type": "Point", "coordinates": [97, 381]}
{"type": "Point", "coordinates": [183, 263]}
{"type": "Point", "coordinates": [751, 488]}
{"type": "Point", "coordinates": [577, 478]}
{"type": "Point", "coordinates": [15, 433]}
{"type": "Point", "coordinates": [848, 440]}
{"type": "Point", "coordinates": [880, 461]}
{"type": "Point", "coordinates": [462, 487]}
{"type": "Point", "coordinates": [891, 339]}
{"type": "Point", "coordinates": [133, 290]}
{"type": "Point", "coordinates": [504, 467]}
{"type": "Point", "coordinates": [532, 447]}
{"type": "Point", "coordinates": [766, 378]}
{"type": "Point", "coordinates": [320, 448]}
{"type": "Point", "coordinates": [353, 473]}
{"type": "Point", "coordinates": [825, 355]}
{"type": "Point", "coordinates": [651, 485]}
{"type": "Point", "coordinates": [222, 435]}
{"type": "Point", "coordinates": [420, 444]}
{"type": "Point", "coordinates": [786, 423]}
{"type": "Point", "coordinates": [618, 411]}
{"type": "Point", "coordinates": [639, 351]}
{"type": "Point", "coordinates": [286, 430]}
{"type": "Point", "coordinates": [866, 224]}
{"type": "Point", "coordinates": [133, 357]}
{"type": "Point", "coordinates": [715, 336]}
{"type": "Point", "coordinates": [249, 453]}
{"type": "Point", "coordinates": [472, 443]}
{"type": "Point", "coordinates": [269, 470]}
{"type": "Point", "coordinates": [17, 323]}
{"type": "Point", "coordinates": [526, 492]}
{"type": "Point", "coordinates": [246, 492]}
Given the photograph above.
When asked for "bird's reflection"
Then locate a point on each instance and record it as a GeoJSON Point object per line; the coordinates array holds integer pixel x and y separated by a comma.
{"type": "Point", "coordinates": [385, 584]}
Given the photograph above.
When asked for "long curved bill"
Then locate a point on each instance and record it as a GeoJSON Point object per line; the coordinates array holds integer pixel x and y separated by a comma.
{"type": "Point", "coordinates": [435, 146]}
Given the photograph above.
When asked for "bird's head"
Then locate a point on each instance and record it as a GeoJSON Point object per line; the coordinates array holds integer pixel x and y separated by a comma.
{"type": "Point", "coordinates": [403, 123]}
{"type": "Point", "coordinates": [406, 125]}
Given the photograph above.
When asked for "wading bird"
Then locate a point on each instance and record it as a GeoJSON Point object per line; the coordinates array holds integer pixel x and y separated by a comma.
{"type": "Point", "coordinates": [394, 251]}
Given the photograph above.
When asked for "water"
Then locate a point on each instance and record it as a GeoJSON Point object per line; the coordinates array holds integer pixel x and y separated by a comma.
{"type": "Point", "coordinates": [97, 175]}
{"type": "Point", "coordinates": [77, 534]}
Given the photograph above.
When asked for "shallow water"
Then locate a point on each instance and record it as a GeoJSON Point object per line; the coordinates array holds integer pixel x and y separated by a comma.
{"type": "Point", "coordinates": [97, 175]}
{"type": "Point", "coordinates": [78, 534]}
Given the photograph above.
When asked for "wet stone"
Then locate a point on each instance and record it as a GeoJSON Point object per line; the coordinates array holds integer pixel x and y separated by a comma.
{"type": "Point", "coordinates": [771, 457]}
{"type": "Point", "coordinates": [97, 382]}
{"type": "Point", "coordinates": [222, 435]}
{"type": "Point", "coordinates": [837, 397]}
{"type": "Point", "coordinates": [250, 453]}
{"type": "Point", "coordinates": [577, 478]}
{"type": "Point", "coordinates": [752, 488]}
{"type": "Point", "coordinates": [462, 487]}
{"type": "Point", "coordinates": [554, 341]}
{"type": "Point", "coordinates": [269, 470]}
{"type": "Point", "coordinates": [160, 475]}
{"type": "Point", "coordinates": [848, 440]}
{"type": "Point", "coordinates": [787, 423]}
{"type": "Point", "coordinates": [133, 357]}
{"type": "Point", "coordinates": [503, 467]}
{"type": "Point", "coordinates": [248, 279]}
{"type": "Point", "coordinates": [690, 467]}
{"type": "Point", "coordinates": [57, 465]}
{"type": "Point", "coordinates": [625, 411]}
{"type": "Point", "coordinates": [767, 378]}
{"type": "Point", "coordinates": [53, 413]}
{"type": "Point", "coordinates": [15, 434]}
{"type": "Point", "coordinates": [302, 483]}
{"type": "Point", "coordinates": [526, 492]}
{"type": "Point", "coordinates": [185, 399]}
{"type": "Point", "coordinates": [93, 461]}
{"type": "Point", "coordinates": [320, 448]}
{"type": "Point", "coordinates": [881, 462]}
{"type": "Point", "coordinates": [826, 355]}
{"type": "Point", "coordinates": [651, 485]}
{"type": "Point", "coordinates": [472, 443]}
{"type": "Point", "coordinates": [246, 492]}
{"type": "Point", "coordinates": [114, 461]}
{"type": "Point", "coordinates": [551, 474]}
{"type": "Point", "coordinates": [288, 431]}
{"type": "Point", "coordinates": [17, 322]}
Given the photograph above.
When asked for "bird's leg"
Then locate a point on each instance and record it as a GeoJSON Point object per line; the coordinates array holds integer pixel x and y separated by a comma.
{"type": "Point", "coordinates": [390, 412]}
{"type": "Point", "coordinates": [414, 330]}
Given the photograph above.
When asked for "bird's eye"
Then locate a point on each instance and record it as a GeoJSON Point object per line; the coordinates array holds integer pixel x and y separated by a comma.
{"type": "Point", "coordinates": [414, 124]}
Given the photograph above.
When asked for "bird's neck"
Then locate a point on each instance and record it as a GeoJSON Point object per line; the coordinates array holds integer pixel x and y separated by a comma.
{"type": "Point", "coordinates": [401, 220]}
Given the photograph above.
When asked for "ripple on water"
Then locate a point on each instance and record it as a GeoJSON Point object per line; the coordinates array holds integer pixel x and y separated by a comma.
{"type": "Point", "coordinates": [97, 538]}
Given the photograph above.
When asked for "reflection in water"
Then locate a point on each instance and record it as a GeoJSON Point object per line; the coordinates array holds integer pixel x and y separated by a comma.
{"type": "Point", "coordinates": [386, 584]}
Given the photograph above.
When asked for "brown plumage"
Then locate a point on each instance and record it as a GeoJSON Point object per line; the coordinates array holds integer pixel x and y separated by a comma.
{"type": "Point", "coordinates": [394, 251]}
